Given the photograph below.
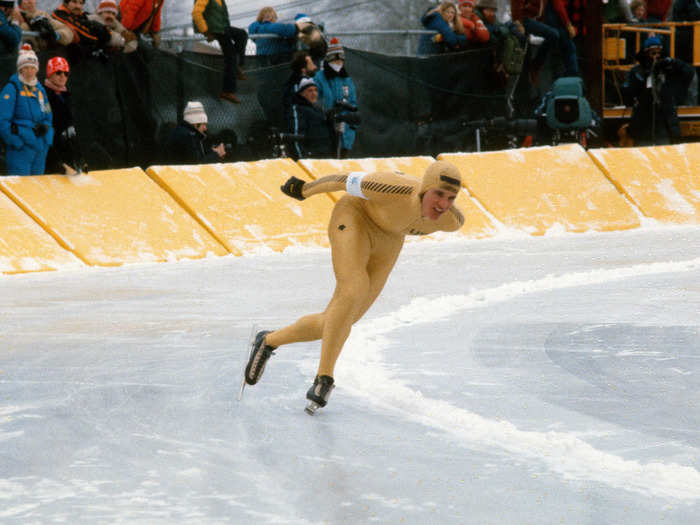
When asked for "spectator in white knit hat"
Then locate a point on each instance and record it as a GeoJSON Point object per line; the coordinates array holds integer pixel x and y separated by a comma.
{"type": "Point", "coordinates": [187, 144]}
{"type": "Point", "coordinates": [25, 118]}
{"type": "Point", "coordinates": [121, 38]}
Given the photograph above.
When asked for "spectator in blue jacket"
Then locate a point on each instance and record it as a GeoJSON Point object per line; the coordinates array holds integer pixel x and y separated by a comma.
{"type": "Point", "coordinates": [25, 118]}
{"type": "Point", "coordinates": [266, 24]}
{"type": "Point", "coordinates": [336, 86]}
{"type": "Point", "coordinates": [445, 21]}
{"type": "Point", "coordinates": [10, 32]}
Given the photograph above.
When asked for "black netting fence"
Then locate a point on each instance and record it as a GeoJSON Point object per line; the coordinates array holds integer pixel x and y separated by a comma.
{"type": "Point", "coordinates": [126, 106]}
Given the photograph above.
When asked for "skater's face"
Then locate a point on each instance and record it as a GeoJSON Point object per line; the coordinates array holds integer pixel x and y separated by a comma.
{"type": "Point", "coordinates": [437, 201]}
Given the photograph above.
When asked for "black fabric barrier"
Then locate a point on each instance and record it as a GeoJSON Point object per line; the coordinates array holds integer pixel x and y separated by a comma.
{"type": "Point", "coordinates": [126, 105]}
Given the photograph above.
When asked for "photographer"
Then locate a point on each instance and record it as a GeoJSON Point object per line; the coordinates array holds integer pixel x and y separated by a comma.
{"type": "Point", "coordinates": [337, 90]}
{"type": "Point", "coordinates": [308, 119]}
{"type": "Point", "coordinates": [51, 31]}
{"type": "Point", "coordinates": [187, 143]}
{"type": "Point", "coordinates": [649, 89]}
{"type": "Point", "coordinates": [25, 118]}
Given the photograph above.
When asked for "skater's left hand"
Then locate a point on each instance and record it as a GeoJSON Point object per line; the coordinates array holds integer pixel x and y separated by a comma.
{"type": "Point", "coordinates": [293, 188]}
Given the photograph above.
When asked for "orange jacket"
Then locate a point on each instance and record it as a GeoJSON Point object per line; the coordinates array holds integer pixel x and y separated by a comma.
{"type": "Point", "coordinates": [135, 13]}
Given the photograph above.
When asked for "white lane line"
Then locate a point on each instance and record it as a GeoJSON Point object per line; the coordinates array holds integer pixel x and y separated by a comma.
{"type": "Point", "coordinates": [365, 375]}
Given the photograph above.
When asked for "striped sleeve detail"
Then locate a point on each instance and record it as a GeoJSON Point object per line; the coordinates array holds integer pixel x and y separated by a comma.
{"type": "Point", "coordinates": [309, 186]}
{"type": "Point", "coordinates": [381, 187]}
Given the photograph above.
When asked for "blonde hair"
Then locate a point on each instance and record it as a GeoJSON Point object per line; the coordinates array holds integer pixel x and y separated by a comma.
{"type": "Point", "coordinates": [266, 13]}
{"type": "Point", "coordinates": [456, 24]}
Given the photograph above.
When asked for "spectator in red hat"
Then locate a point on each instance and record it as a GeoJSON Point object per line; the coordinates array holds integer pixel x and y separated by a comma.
{"type": "Point", "coordinates": [64, 155]}
{"type": "Point", "coordinates": [474, 28]}
{"type": "Point", "coordinates": [122, 39]}
{"type": "Point", "coordinates": [142, 17]}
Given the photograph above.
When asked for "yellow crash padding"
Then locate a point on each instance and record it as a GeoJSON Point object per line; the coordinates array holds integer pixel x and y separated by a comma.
{"type": "Point", "coordinates": [541, 189]}
{"type": "Point", "coordinates": [25, 246]}
{"type": "Point", "coordinates": [108, 218]}
{"type": "Point", "coordinates": [242, 205]}
{"type": "Point", "coordinates": [663, 181]}
{"type": "Point", "coordinates": [476, 222]}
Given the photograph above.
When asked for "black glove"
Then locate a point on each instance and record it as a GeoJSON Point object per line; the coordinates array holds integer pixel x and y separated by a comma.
{"type": "Point", "coordinates": [293, 188]}
{"type": "Point", "coordinates": [41, 25]}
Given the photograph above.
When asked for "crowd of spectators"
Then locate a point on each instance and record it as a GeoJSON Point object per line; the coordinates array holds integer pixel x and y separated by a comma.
{"type": "Point", "coordinates": [319, 98]}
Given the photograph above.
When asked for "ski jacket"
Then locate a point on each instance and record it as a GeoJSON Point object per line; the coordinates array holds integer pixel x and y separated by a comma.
{"type": "Point", "coordinates": [389, 200]}
{"type": "Point", "coordinates": [310, 121]}
{"type": "Point", "coordinates": [273, 46]}
{"type": "Point", "coordinates": [447, 39]}
{"type": "Point", "coordinates": [210, 16]}
{"type": "Point", "coordinates": [141, 16]}
{"type": "Point", "coordinates": [534, 9]}
{"type": "Point", "coordinates": [337, 87]}
{"type": "Point", "coordinates": [10, 34]}
{"type": "Point", "coordinates": [475, 29]}
{"type": "Point", "coordinates": [86, 32]}
{"type": "Point", "coordinates": [187, 146]}
{"type": "Point", "coordinates": [22, 108]}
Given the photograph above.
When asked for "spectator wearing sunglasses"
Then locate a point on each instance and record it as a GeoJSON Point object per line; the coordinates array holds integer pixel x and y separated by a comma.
{"type": "Point", "coordinates": [64, 156]}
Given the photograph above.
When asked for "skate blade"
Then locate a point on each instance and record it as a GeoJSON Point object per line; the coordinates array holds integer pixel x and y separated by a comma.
{"type": "Point", "coordinates": [312, 407]}
{"type": "Point", "coordinates": [251, 340]}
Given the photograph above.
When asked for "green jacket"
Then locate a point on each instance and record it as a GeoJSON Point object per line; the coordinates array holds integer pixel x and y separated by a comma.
{"type": "Point", "coordinates": [210, 16]}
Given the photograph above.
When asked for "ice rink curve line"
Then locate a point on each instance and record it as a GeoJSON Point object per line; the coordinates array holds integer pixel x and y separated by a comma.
{"type": "Point", "coordinates": [563, 453]}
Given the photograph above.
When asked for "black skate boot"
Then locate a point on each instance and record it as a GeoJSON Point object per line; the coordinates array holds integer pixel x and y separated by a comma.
{"type": "Point", "coordinates": [259, 355]}
{"type": "Point", "coordinates": [319, 393]}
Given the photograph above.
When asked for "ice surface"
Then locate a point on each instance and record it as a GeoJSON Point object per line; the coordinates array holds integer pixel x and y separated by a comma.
{"type": "Point", "coordinates": [513, 380]}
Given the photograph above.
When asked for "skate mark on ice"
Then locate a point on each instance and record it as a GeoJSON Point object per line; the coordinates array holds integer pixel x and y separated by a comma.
{"type": "Point", "coordinates": [562, 452]}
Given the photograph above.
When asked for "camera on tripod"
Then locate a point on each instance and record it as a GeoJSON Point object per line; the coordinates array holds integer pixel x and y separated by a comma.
{"type": "Point", "coordinates": [344, 112]}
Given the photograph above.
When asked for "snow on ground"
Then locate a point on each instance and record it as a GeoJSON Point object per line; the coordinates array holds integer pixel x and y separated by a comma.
{"type": "Point", "coordinates": [512, 380]}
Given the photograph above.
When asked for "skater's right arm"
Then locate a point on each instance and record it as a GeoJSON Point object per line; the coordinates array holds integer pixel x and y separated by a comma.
{"type": "Point", "coordinates": [371, 186]}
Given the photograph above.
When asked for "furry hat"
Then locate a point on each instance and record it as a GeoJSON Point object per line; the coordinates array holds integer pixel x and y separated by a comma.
{"type": "Point", "coordinates": [489, 4]}
{"type": "Point", "coordinates": [194, 113]}
{"type": "Point", "coordinates": [443, 175]}
{"type": "Point", "coordinates": [301, 18]}
{"type": "Point", "coordinates": [27, 57]}
{"type": "Point", "coordinates": [652, 41]}
{"type": "Point", "coordinates": [108, 6]}
{"type": "Point", "coordinates": [335, 50]}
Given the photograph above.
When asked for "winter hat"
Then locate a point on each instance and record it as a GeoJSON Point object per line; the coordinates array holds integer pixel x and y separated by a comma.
{"type": "Point", "coordinates": [108, 6]}
{"type": "Point", "coordinates": [335, 50]}
{"type": "Point", "coordinates": [306, 82]}
{"type": "Point", "coordinates": [489, 4]}
{"type": "Point", "coordinates": [470, 3]}
{"type": "Point", "coordinates": [652, 41]}
{"type": "Point", "coordinates": [301, 18]}
{"type": "Point", "coordinates": [27, 57]}
{"type": "Point", "coordinates": [56, 64]}
{"type": "Point", "coordinates": [443, 175]}
{"type": "Point", "coordinates": [194, 113]}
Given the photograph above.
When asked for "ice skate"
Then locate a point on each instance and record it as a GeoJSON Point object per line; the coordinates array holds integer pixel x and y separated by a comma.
{"type": "Point", "coordinates": [319, 393]}
{"type": "Point", "coordinates": [259, 354]}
